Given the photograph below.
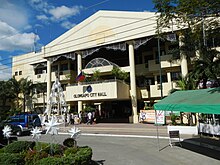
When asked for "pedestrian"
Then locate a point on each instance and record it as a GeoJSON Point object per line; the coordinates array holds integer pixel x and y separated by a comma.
{"type": "Point", "coordinates": [89, 118]}
{"type": "Point", "coordinates": [80, 117]}
{"type": "Point", "coordinates": [93, 117]}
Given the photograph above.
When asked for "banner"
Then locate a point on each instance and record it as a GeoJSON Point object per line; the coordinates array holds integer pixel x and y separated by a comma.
{"type": "Point", "coordinates": [160, 117]}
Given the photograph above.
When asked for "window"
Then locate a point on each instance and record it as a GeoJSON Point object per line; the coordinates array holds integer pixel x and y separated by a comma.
{"type": "Point", "coordinates": [175, 76]}
{"type": "Point", "coordinates": [162, 53]}
{"type": "Point", "coordinates": [16, 73]}
{"type": "Point", "coordinates": [20, 72]}
{"type": "Point", "coordinates": [146, 59]}
{"type": "Point", "coordinates": [63, 67]}
{"type": "Point", "coordinates": [143, 81]}
{"type": "Point", "coordinates": [54, 68]}
{"type": "Point", "coordinates": [163, 77]}
{"type": "Point", "coordinates": [40, 70]}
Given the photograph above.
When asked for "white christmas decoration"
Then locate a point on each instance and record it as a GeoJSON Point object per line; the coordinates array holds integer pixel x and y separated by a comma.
{"type": "Point", "coordinates": [51, 126]}
{"type": "Point", "coordinates": [7, 131]}
{"type": "Point", "coordinates": [36, 133]}
{"type": "Point", "coordinates": [74, 132]}
{"type": "Point", "coordinates": [56, 99]}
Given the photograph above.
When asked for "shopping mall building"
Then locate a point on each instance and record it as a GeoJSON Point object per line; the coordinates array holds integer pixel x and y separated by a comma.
{"type": "Point", "coordinates": [106, 40]}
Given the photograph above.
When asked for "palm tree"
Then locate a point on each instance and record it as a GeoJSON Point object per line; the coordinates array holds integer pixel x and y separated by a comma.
{"type": "Point", "coordinates": [5, 96]}
{"type": "Point", "coordinates": [207, 67]}
{"type": "Point", "coordinates": [15, 90]}
{"type": "Point", "coordinates": [26, 89]}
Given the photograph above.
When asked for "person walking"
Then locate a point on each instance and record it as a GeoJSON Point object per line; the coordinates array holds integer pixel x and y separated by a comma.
{"type": "Point", "coordinates": [80, 117]}
{"type": "Point", "coordinates": [89, 117]}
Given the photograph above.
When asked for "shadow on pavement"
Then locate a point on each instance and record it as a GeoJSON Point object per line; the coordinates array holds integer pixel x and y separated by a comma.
{"type": "Point", "coordinates": [205, 146]}
{"type": "Point", "coordinates": [98, 162]}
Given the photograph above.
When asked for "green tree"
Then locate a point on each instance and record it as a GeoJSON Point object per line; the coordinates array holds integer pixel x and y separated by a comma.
{"type": "Point", "coordinates": [96, 75]}
{"type": "Point", "coordinates": [26, 89]}
{"type": "Point", "coordinates": [119, 74]}
{"type": "Point", "coordinates": [196, 20]}
{"type": "Point", "coordinates": [15, 90]}
{"type": "Point", "coordinates": [6, 96]}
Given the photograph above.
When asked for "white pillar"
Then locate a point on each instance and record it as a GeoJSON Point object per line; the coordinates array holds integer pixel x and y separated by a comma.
{"type": "Point", "coordinates": [169, 77]}
{"type": "Point", "coordinates": [100, 110]}
{"type": "Point", "coordinates": [48, 83]}
{"type": "Point", "coordinates": [79, 69]}
{"type": "Point", "coordinates": [169, 80]}
{"type": "Point", "coordinates": [184, 67]}
{"type": "Point", "coordinates": [133, 91]}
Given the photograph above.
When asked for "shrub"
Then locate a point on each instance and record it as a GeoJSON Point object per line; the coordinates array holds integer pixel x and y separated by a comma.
{"type": "Point", "coordinates": [18, 146]}
{"type": "Point", "coordinates": [70, 151]}
{"type": "Point", "coordinates": [81, 157]}
{"type": "Point", "coordinates": [173, 119]}
{"type": "Point", "coordinates": [12, 159]}
{"type": "Point", "coordinates": [42, 146]}
{"type": "Point", "coordinates": [84, 155]}
{"type": "Point", "coordinates": [57, 149]}
{"type": "Point", "coordinates": [32, 156]}
{"type": "Point", "coordinates": [56, 161]}
{"type": "Point", "coordinates": [69, 142]}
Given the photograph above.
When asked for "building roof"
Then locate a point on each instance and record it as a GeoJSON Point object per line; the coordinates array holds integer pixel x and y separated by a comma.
{"type": "Point", "coordinates": [103, 28]}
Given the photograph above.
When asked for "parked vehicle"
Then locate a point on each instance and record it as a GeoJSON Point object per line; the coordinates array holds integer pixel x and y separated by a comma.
{"type": "Point", "coordinates": [22, 123]}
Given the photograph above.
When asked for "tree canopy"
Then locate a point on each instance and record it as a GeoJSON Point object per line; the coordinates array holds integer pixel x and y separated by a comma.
{"type": "Point", "coordinates": [198, 21]}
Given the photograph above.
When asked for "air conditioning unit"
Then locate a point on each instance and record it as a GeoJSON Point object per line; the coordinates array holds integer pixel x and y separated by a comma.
{"type": "Point", "coordinates": [38, 76]}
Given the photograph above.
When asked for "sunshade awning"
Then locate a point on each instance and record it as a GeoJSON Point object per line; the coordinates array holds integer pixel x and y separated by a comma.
{"type": "Point", "coordinates": [197, 101]}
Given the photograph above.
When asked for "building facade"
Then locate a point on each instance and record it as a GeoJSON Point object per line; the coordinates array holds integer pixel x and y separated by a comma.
{"type": "Point", "coordinates": [104, 41]}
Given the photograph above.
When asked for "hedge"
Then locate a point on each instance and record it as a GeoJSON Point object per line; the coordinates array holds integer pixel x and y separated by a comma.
{"type": "Point", "coordinates": [27, 153]}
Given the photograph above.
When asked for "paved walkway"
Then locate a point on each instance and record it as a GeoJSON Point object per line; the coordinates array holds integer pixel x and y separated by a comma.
{"type": "Point", "coordinates": [143, 131]}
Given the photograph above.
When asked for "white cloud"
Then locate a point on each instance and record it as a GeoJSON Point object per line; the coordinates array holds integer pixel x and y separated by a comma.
{"type": "Point", "coordinates": [64, 12]}
{"type": "Point", "coordinates": [5, 72]}
{"type": "Point", "coordinates": [40, 5]}
{"type": "Point", "coordinates": [12, 40]}
{"type": "Point", "coordinates": [42, 17]}
{"type": "Point", "coordinates": [15, 15]}
{"type": "Point", "coordinates": [48, 13]}
{"type": "Point", "coordinates": [67, 25]}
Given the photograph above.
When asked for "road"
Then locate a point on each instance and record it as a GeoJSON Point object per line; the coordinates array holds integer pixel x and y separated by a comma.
{"type": "Point", "coordinates": [110, 150]}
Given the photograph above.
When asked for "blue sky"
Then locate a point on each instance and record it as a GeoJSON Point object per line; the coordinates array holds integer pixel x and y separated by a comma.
{"type": "Point", "coordinates": [29, 24]}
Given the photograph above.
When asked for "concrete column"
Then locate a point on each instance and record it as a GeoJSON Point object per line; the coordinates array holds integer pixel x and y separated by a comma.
{"type": "Point", "coordinates": [169, 80]}
{"type": "Point", "coordinates": [100, 110]}
{"type": "Point", "coordinates": [79, 69]}
{"type": "Point", "coordinates": [133, 92]}
{"type": "Point", "coordinates": [169, 77]}
{"type": "Point", "coordinates": [184, 66]}
{"type": "Point", "coordinates": [48, 84]}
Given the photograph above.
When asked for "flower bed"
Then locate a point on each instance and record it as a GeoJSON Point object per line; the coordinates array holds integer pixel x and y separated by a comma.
{"type": "Point", "coordinates": [31, 153]}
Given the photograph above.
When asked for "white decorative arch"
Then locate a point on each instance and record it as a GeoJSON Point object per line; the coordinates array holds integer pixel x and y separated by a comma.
{"type": "Point", "coordinates": [98, 62]}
